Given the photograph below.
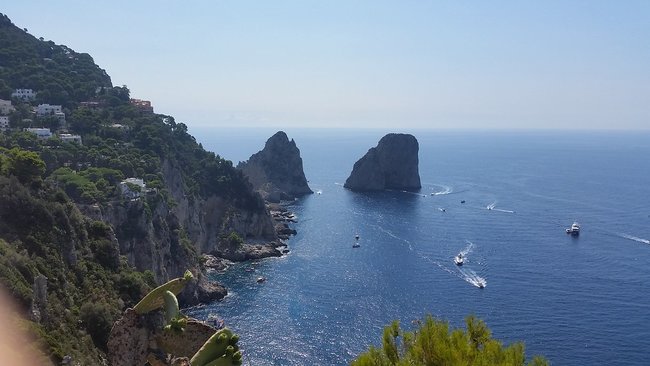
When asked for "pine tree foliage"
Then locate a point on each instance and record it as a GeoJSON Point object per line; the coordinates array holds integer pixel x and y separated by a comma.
{"type": "Point", "coordinates": [433, 343]}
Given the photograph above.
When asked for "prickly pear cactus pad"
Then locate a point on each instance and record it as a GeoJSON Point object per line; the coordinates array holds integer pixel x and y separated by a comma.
{"type": "Point", "coordinates": [155, 298]}
{"type": "Point", "coordinates": [184, 344]}
{"type": "Point", "coordinates": [128, 341]}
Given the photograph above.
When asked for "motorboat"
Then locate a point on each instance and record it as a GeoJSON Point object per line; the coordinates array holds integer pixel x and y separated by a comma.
{"type": "Point", "coordinates": [481, 285]}
{"type": "Point", "coordinates": [462, 201]}
{"type": "Point", "coordinates": [261, 279]}
{"type": "Point", "coordinates": [356, 237]}
{"type": "Point", "coordinates": [459, 259]}
{"type": "Point", "coordinates": [215, 321]}
{"type": "Point", "coordinates": [574, 230]}
{"type": "Point", "coordinates": [356, 245]}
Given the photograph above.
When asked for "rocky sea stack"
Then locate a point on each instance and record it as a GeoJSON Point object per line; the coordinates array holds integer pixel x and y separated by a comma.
{"type": "Point", "coordinates": [276, 171]}
{"type": "Point", "coordinates": [392, 164]}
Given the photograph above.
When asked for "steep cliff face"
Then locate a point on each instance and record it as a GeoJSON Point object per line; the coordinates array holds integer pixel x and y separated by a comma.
{"type": "Point", "coordinates": [206, 220]}
{"type": "Point", "coordinates": [149, 237]}
{"type": "Point", "coordinates": [166, 239]}
{"type": "Point", "coordinates": [392, 164]}
{"type": "Point", "coordinates": [276, 171]}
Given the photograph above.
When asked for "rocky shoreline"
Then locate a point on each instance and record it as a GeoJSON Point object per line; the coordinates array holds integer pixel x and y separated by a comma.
{"type": "Point", "coordinates": [276, 173]}
{"type": "Point", "coordinates": [221, 260]}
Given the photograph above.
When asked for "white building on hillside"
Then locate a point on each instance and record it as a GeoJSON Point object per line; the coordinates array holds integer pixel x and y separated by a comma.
{"type": "Point", "coordinates": [6, 107]}
{"type": "Point", "coordinates": [41, 133]}
{"type": "Point", "coordinates": [132, 188]}
{"type": "Point", "coordinates": [4, 123]}
{"type": "Point", "coordinates": [24, 94]}
{"type": "Point", "coordinates": [66, 137]}
{"type": "Point", "coordinates": [47, 110]}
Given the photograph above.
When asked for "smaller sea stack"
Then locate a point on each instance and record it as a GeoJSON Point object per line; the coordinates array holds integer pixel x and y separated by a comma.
{"type": "Point", "coordinates": [392, 164]}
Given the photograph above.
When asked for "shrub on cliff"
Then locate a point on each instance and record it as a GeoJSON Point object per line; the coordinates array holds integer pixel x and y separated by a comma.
{"type": "Point", "coordinates": [433, 344]}
{"type": "Point", "coordinates": [97, 318]}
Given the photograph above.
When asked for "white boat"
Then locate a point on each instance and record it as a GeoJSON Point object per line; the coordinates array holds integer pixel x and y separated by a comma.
{"type": "Point", "coordinates": [356, 245]}
{"type": "Point", "coordinates": [215, 321]}
{"type": "Point", "coordinates": [574, 230]}
{"type": "Point", "coordinates": [459, 260]}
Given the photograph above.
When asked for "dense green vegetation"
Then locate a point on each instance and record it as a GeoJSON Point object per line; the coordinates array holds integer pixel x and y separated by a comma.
{"type": "Point", "coordinates": [432, 344]}
{"type": "Point", "coordinates": [43, 182]}
{"type": "Point", "coordinates": [88, 283]}
{"type": "Point", "coordinates": [60, 75]}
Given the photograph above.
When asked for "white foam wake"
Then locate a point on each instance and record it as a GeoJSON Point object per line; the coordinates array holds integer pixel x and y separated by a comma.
{"type": "Point", "coordinates": [465, 274]}
{"type": "Point", "coordinates": [472, 277]}
{"type": "Point", "coordinates": [492, 206]}
{"type": "Point", "coordinates": [445, 190]}
{"type": "Point", "coordinates": [468, 248]}
{"type": "Point", "coordinates": [634, 238]}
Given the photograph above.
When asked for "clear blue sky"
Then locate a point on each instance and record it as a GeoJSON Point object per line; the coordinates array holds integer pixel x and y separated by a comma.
{"type": "Point", "coordinates": [411, 64]}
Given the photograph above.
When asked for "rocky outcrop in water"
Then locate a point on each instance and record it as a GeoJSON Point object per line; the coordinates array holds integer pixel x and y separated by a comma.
{"type": "Point", "coordinates": [276, 171]}
{"type": "Point", "coordinates": [392, 164]}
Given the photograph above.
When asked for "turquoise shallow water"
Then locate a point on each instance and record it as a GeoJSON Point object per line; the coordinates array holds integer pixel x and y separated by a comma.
{"type": "Point", "coordinates": [577, 301]}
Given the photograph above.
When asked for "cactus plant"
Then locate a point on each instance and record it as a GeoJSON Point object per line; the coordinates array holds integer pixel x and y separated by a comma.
{"type": "Point", "coordinates": [138, 337]}
{"type": "Point", "coordinates": [154, 299]}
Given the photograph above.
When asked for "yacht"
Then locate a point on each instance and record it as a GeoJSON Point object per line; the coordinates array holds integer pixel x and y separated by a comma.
{"type": "Point", "coordinates": [574, 230]}
{"type": "Point", "coordinates": [459, 260]}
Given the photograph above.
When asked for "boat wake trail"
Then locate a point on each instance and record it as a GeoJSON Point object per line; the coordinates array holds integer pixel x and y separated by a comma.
{"type": "Point", "coordinates": [468, 248]}
{"type": "Point", "coordinates": [464, 274]}
{"type": "Point", "coordinates": [492, 206]}
{"type": "Point", "coordinates": [634, 238]}
{"type": "Point", "coordinates": [472, 277]}
{"type": "Point", "coordinates": [444, 190]}
{"type": "Point", "coordinates": [389, 233]}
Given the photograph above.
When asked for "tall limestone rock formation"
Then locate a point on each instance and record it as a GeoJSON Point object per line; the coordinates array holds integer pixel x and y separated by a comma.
{"type": "Point", "coordinates": [276, 171]}
{"type": "Point", "coordinates": [392, 164]}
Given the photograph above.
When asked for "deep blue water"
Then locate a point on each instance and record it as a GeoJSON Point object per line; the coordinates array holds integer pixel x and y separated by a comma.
{"type": "Point", "coordinates": [578, 301]}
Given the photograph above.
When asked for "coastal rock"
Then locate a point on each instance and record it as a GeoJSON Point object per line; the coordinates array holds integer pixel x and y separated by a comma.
{"type": "Point", "coordinates": [276, 171]}
{"type": "Point", "coordinates": [201, 291]}
{"type": "Point", "coordinates": [249, 251]}
{"type": "Point", "coordinates": [392, 164]}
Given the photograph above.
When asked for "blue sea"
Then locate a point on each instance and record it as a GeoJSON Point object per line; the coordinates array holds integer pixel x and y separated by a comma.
{"type": "Point", "coordinates": [577, 301]}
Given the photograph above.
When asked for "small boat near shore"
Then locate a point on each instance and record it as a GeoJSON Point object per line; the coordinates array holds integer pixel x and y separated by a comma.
{"type": "Point", "coordinates": [459, 259]}
{"type": "Point", "coordinates": [574, 230]}
{"type": "Point", "coordinates": [215, 321]}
